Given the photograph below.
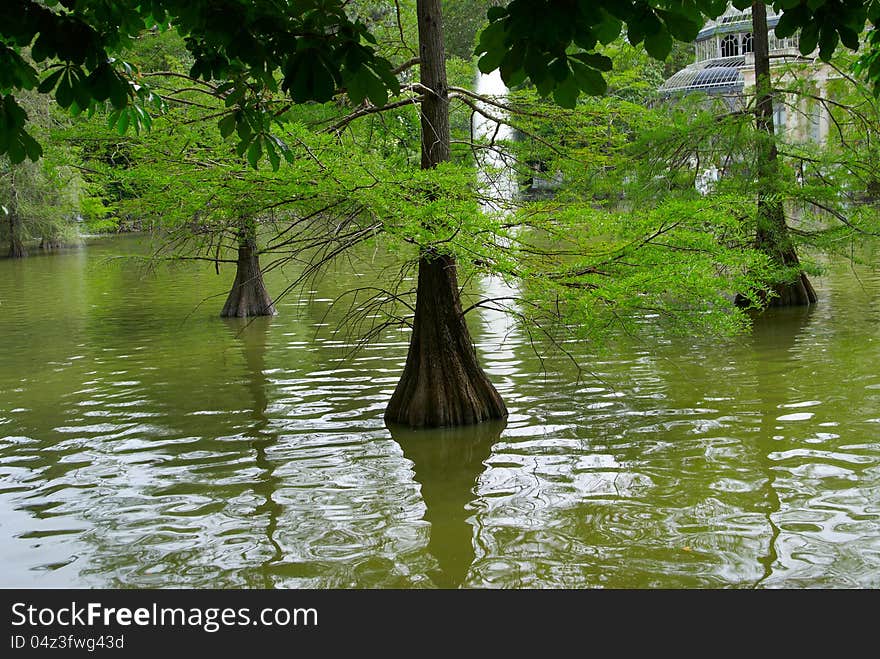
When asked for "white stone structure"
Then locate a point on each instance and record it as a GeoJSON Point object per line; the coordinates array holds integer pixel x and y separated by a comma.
{"type": "Point", "coordinates": [725, 67]}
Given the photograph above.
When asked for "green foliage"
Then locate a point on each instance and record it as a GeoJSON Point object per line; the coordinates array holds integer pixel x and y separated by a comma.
{"type": "Point", "coordinates": [317, 47]}
{"type": "Point", "coordinates": [45, 195]}
{"type": "Point", "coordinates": [640, 269]}
{"type": "Point", "coordinates": [822, 23]}
{"type": "Point", "coordinates": [625, 241]}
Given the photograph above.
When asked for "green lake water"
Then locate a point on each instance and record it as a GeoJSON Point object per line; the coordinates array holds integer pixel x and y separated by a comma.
{"type": "Point", "coordinates": [145, 442]}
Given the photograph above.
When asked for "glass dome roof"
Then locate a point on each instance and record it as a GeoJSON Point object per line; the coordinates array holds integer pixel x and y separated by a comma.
{"type": "Point", "coordinates": [721, 50]}
{"type": "Point", "coordinates": [713, 77]}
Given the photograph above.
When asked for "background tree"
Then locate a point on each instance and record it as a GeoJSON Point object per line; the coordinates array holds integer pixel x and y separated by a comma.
{"type": "Point", "coordinates": [40, 202]}
{"type": "Point", "coordinates": [772, 232]}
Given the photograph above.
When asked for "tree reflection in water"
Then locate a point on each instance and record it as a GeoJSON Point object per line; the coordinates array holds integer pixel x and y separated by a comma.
{"type": "Point", "coordinates": [447, 464]}
{"type": "Point", "coordinates": [252, 335]}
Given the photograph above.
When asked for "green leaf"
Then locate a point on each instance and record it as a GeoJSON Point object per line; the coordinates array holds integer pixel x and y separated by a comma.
{"type": "Point", "coordinates": [101, 82]}
{"type": "Point", "coordinates": [827, 42]}
{"type": "Point", "coordinates": [124, 120]}
{"type": "Point", "coordinates": [243, 127]}
{"type": "Point", "coordinates": [683, 28]}
{"type": "Point", "coordinates": [788, 24]}
{"type": "Point", "coordinates": [589, 80]}
{"type": "Point", "coordinates": [544, 85]}
{"type": "Point", "coordinates": [376, 91]}
{"type": "Point", "coordinates": [308, 78]}
{"type": "Point", "coordinates": [81, 93]}
{"type": "Point", "coordinates": [386, 74]}
{"type": "Point", "coordinates": [235, 96]}
{"type": "Point", "coordinates": [227, 125]}
{"type": "Point", "coordinates": [51, 80]}
{"type": "Point", "coordinates": [355, 88]}
{"type": "Point", "coordinates": [42, 48]}
{"type": "Point", "coordinates": [558, 68]}
{"type": "Point", "coordinates": [64, 93]}
{"type": "Point", "coordinates": [809, 38]}
{"type": "Point", "coordinates": [274, 158]}
{"type": "Point", "coordinates": [496, 13]}
{"type": "Point", "coordinates": [491, 60]}
{"type": "Point", "coordinates": [225, 87]}
{"type": "Point", "coordinates": [16, 152]}
{"type": "Point", "coordinates": [608, 30]}
{"type": "Point", "coordinates": [254, 153]}
{"type": "Point", "coordinates": [492, 39]}
{"type": "Point", "coordinates": [512, 72]}
{"type": "Point", "coordinates": [595, 61]}
{"type": "Point", "coordinates": [566, 93]}
{"type": "Point", "coordinates": [32, 148]}
{"type": "Point", "coordinates": [119, 92]}
{"type": "Point", "coordinates": [849, 37]}
{"type": "Point", "coordinates": [586, 39]}
{"type": "Point", "coordinates": [658, 44]}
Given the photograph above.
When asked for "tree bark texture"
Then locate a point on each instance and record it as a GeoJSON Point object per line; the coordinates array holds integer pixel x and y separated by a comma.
{"type": "Point", "coordinates": [442, 382]}
{"type": "Point", "coordinates": [16, 247]}
{"type": "Point", "coordinates": [248, 296]}
{"type": "Point", "coordinates": [773, 237]}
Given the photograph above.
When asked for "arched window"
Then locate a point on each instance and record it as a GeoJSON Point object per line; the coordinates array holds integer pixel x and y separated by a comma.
{"type": "Point", "coordinates": [779, 118]}
{"type": "Point", "coordinates": [730, 46]}
{"type": "Point", "coordinates": [748, 45]}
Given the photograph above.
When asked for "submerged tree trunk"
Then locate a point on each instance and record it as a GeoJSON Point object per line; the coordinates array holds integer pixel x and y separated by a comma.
{"type": "Point", "coordinates": [773, 237]}
{"type": "Point", "coordinates": [248, 296]}
{"type": "Point", "coordinates": [442, 383]}
{"type": "Point", "coordinates": [49, 243]}
{"type": "Point", "coordinates": [16, 247]}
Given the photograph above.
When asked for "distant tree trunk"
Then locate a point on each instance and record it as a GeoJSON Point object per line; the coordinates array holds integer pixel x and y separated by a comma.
{"type": "Point", "coordinates": [773, 237]}
{"type": "Point", "coordinates": [442, 383]}
{"type": "Point", "coordinates": [248, 296]}
{"type": "Point", "coordinates": [50, 242]}
{"type": "Point", "coordinates": [16, 247]}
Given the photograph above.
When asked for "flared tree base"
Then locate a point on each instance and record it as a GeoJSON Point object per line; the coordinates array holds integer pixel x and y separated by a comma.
{"type": "Point", "coordinates": [248, 296]}
{"type": "Point", "coordinates": [799, 293]}
{"type": "Point", "coordinates": [442, 383]}
{"type": "Point", "coordinates": [17, 250]}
